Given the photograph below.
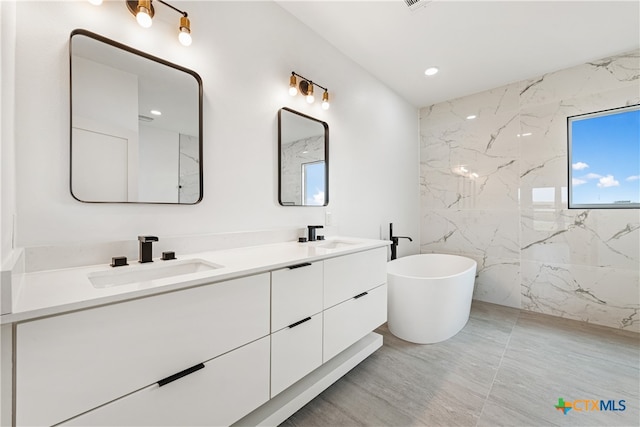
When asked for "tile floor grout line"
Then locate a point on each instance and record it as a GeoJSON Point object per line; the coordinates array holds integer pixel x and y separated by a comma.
{"type": "Point", "coordinates": [506, 346]}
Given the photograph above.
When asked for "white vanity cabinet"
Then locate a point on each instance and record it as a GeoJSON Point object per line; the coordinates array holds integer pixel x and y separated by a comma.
{"type": "Point", "coordinates": [346, 323]}
{"type": "Point", "coordinates": [295, 352]}
{"type": "Point", "coordinates": [296, 293]}
{"type": "Point", "coordinates": [355, 298]}
{"type": "Point", "coordinates": [351, 275]}
{"type": "Point", "coordinates": [222, 391]}
{"type": "Point", "coordinates": [72, 363]}
{"type": "Point", "coordinates": [246, 349]}
{"type": "Point", "coordinates": [296, 323]}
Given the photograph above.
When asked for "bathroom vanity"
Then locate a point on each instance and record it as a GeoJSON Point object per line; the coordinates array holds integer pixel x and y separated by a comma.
{"type": "Point", "coordinates": [249, 339]}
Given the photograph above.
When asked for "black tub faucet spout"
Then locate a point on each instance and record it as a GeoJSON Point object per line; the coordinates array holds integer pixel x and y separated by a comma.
{"type": "Point", "coordinates": [394, 242]}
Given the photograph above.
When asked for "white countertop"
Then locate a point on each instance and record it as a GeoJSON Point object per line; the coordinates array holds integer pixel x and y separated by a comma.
{"type": "Point", "coordinates": [50, 292]}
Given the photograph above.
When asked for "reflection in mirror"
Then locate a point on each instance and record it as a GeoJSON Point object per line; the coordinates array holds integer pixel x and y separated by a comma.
{"type": "Point", "coordinates": [136, 125]}
{"type": "Point", "coordinates": [303, 145]}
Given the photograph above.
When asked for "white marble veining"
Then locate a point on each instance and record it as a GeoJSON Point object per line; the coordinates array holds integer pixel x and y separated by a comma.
{"type": "Point", "coordinates": [605, 296]}
{"type": "Point", "coordinates": [596, 238]}
{"type": "Point", "coordinates": [189, 169]}
{"type": "Point", "coordinates": [495, 189]}
{"type": "Point", "coordinates": [595, 77]}
{"type": "Point", "coordinates": [50, 292]}
{"type": "Point", "coordinates": [498, 281]}
{"type": "Point", "coordinates": [471, 232]}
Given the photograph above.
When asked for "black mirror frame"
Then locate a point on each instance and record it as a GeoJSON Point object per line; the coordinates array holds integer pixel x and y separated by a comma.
{"type": "Point", "coordinates": [326, 157]}
{"type": "Point", "coordinates": [161, 61]}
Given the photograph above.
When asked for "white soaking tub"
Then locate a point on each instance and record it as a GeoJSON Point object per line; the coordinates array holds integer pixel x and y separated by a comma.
{"type": "Point", "coordinates": [429, 296]}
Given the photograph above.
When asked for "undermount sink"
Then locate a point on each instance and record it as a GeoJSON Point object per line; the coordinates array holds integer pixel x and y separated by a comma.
{"type": "Point", "coordinates": [146, 272]}
{"type": "Point", "coordinates": [335, 244]}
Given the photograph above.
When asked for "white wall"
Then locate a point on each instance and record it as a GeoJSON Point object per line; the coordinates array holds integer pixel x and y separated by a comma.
{"type": "Point", "coordinates": [7, 126]}
{"type": "Point", "coordinates": [244, 52]}
{"type": "Point", "coordinates": [159, 157]}
{"type": "Point", "coordinates": [532, 252]}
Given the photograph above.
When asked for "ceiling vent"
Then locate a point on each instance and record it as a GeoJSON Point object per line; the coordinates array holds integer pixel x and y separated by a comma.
{"type": "Point", "coordinates": [416, 4]}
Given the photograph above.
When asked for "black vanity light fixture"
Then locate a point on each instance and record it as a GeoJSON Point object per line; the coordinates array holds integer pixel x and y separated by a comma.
{"type": "Point", "coordinates": [143, 11]}
{"type": "Point", "coordinates": [306, 88]}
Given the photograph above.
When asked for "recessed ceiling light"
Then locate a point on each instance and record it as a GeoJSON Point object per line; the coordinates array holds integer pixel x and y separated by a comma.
{"type": "Point", "coordinates": [156, 112]}
{"type": "Point", "coordinates": [431, 71]}
{"type": "Point", "coordinates": [471, 117]}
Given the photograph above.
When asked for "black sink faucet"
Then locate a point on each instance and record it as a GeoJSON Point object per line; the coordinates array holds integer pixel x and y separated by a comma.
{"type": "Point", "coordinates": [394, 242]}
{"type": "Point", "coordinates": [146, 250]}
{"type": "Point", "coordinates": [312, 232]}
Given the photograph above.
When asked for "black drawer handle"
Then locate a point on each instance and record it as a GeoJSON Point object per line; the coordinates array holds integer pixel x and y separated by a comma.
{"type": "Point", "coordinates": [181, 374]}
{"type": "Point", "coordinates": [304, 264]}
{"type": "Point", "coordinates": [361, 295]}
{"type": "Point", "coordinates": [293, 325]}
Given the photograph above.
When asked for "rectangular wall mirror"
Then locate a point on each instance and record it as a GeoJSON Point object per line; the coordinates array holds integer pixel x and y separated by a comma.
{"type": "Point", "coordinates": [136, 125]}
{"type": "Point", "coordinates": [303, 160]}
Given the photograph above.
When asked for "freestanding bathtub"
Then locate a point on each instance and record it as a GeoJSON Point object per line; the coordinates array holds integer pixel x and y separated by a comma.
{"type": "Point", "coordinates": [429, 296]}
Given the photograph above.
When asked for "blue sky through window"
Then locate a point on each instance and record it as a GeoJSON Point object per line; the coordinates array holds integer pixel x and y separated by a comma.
{"type": "Point", "coordinates": [605, 159]}
{"type": "Point", "coordinates": [314, 183]}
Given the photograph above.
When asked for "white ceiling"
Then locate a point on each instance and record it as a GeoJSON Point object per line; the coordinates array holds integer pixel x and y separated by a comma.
{"type": "Point", "coordinates": [477, 45]}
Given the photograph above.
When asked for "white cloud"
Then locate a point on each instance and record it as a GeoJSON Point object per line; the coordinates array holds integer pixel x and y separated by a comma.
{"type": "Point", "coordinates": [633, 178]}
{"type": "Point", "coordinates": [608, 181]}
{"type": "Point", "coordinates": [579, 166]}
{"type": "Point", "coordinates": [592, 176]}
{"type": "Point", "coordinates": [318, 198]}
{"type": "Point", "coordinates": [575, 182]}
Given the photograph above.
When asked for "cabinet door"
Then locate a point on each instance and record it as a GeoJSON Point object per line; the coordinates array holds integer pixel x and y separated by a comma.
{"type": "Point", "coordinates": [353, 274]}
{"type": "Point", "coordinates": [72, 363]}
{"type": "Point", "coordinates": [295, 352]}
{"type": "Point", "coordinates": [296, 293]}
{"type": "Point", "coordinates": [225, 390]}
{"type": "Point", "coordinates": [346, 323]}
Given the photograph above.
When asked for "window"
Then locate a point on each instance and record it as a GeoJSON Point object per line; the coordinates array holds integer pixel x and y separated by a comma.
{"type": "Point", "coordinates": [313, 179]}
{"type": "Point", "coordinates": [604, 159]}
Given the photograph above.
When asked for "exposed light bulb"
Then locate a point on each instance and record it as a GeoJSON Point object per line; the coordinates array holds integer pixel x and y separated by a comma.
{"type": "Point", "coordinates": [293, 89]}
{"type": "Point", "coordinates": [310, 97]}
{"type": "Point", "coordinates": [185, 38]}
{"type": "Point", "coordinates": [471, 117]}
{"type": "Point", "coordinates": [143, 17]}
{"type": "Point", "coordinates": [95, 2]}
{"type": "Point", "coordinates": [325, 100]}
{"type": "Point", "coordinates": [156, 112]}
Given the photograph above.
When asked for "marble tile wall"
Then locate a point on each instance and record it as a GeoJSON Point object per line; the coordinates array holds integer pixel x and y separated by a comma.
{"type": "Point", "coordinates": [189, 169]}
{"type": "Point", "coordinates": [494, 188]}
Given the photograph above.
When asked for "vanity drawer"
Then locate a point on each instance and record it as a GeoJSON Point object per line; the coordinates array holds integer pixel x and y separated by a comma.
{"type": "Point", "coordinates": [223, 391]}
{"type": "Point", "coordinates": [296, 293]}
{"type": "Point", "coordinates": [353, 274]}
{"type": "Point", "coordinates": [74, 362]}
{"type": "Point", "coordinates": [295, 352]}
{"type": "Point", "coordinates": [346, 323]}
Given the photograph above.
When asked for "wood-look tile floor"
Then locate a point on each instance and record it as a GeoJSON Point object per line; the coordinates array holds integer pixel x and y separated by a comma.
{"type": "Point", "coordinates": [505, 368]}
